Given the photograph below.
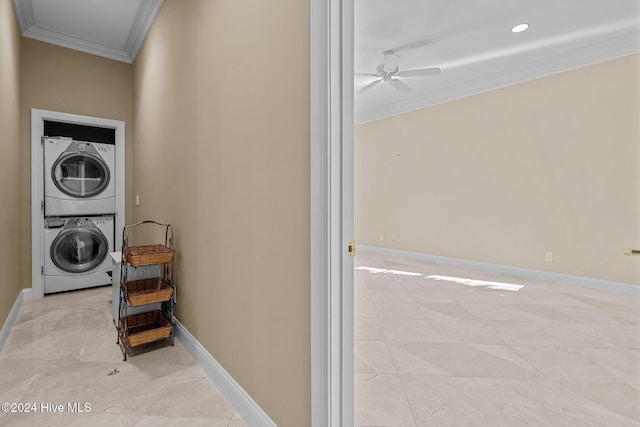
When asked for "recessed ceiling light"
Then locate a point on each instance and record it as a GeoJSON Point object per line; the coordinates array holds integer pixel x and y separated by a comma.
{"type": "Point", "coordinates": [520, 28]}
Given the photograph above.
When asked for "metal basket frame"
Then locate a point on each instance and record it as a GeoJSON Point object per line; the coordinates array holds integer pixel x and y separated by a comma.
{"type": "Point", "coordinates": [166, 276]}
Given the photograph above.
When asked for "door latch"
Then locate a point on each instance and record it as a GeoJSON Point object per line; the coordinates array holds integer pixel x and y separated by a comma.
{"type": "Point", "coordinates": [352, 248]}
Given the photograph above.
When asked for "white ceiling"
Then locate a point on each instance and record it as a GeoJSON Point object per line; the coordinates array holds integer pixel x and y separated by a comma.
{"type": "Point", "coordinates": [111, 28]}
{"type": "Point", "coordinates": [471, 41]}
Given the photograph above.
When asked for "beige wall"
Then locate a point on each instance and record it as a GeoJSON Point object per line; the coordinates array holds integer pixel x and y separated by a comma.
{"type": "Point", "coordinates": [221, 151]}
{"type": "Point", "coordinates": [59, 79]}
{"type": "Point", "coordinates": [9, 158]}
{"type": "Point", "coordinates": [549, 165]}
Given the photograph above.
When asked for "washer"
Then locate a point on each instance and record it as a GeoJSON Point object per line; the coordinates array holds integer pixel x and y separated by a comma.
{"type": "Point", "coordinates": [76, 252]}
{"type": "Point", "coordinates": [79, 177]}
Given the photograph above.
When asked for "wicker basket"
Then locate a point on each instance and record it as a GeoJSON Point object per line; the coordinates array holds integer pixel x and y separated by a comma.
{"type": "Point", "coordinates": [144, 328]}
{"type": "Point", "coordinates": [147, 255]}
{"type": "Point", "coordinates": [147, 291]}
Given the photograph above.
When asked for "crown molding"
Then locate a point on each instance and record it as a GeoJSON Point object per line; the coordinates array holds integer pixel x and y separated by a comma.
{"type": "Point", "coordinates": [24, 13]}
{"type": "Point", "coordinates": [76, 44]}
{"type": "Point", "coordinates": [139, 30]}
{"type": "Point", "coordinates": [141, 26]}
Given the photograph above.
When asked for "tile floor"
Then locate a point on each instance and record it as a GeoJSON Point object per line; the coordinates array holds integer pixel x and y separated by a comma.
{"type": "Point", "coordinates": [427, 353]}
{"type": "Point", "coordinates": [440, 353]}
{"type": "Point", "coordinates": [62, 349]}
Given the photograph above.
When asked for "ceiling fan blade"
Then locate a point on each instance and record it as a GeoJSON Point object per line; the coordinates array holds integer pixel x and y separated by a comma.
{"type": "Point", "coordinates": [366, 74]}
{"type": "Point", "coordinates": [369, 86]}
{"type": "Point", "coordinates": [400, 86]}
{"type": "Point", "coordinates": [412, 45]}
{"type": "Point", "coordinates": [463, 30]}
{"type": "Point", "coordinates": [420, 72]}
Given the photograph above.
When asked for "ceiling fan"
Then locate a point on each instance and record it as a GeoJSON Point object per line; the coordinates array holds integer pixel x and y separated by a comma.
{"type": "Point", "coordinates": [389, 71]}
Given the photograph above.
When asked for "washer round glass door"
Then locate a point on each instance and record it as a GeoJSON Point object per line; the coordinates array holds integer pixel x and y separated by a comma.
{"type": "Point", "coordinates": [80, 175]}
{"type": "Point", "coordinates": [79, 250]}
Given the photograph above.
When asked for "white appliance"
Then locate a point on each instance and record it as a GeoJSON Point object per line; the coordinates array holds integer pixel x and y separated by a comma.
{"type": "Point", "coordinates": [76, 252]}
{"type": "Point", "coordinates": [79, 177]}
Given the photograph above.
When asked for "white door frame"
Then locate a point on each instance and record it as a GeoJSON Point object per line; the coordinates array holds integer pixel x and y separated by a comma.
{"type": "Point", "coordinates": [37, 185]}
{"type": "Point", "coordinates": [331, 216]}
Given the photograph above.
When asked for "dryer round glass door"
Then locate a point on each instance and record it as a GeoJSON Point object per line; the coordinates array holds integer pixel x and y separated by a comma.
{"type": "Point", "coordinates": [80, 175]}
{"type": "Point", "coordinates": [79, 250]}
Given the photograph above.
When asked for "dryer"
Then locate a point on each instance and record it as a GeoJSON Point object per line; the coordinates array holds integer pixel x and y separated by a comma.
{"type": "Point", "coordinates": [76, 252]}
{"type": "Point", "coordinates": [79, 177]}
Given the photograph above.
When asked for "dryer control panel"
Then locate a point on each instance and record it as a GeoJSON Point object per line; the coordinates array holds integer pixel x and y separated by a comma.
{"type": "Point", "coordinates": [53, 223]}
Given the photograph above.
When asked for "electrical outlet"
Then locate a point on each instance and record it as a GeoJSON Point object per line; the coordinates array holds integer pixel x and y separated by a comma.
{"type": "Point", "coordinates": [548, 256]}
{"type": "Point", "coordinates": [381, 237]}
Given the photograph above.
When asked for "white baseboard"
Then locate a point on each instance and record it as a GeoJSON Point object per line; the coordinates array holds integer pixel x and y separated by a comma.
{"type": "Point", "coordinates": [24, 295]}
{"type": "Point", "coordinates": [248, 409]}
{"type": "Point", "coordinates": [565, 279]}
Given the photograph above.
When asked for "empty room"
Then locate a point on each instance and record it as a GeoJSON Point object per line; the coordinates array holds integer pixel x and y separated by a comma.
{"type": "Point", "coordinates": [496, 197]}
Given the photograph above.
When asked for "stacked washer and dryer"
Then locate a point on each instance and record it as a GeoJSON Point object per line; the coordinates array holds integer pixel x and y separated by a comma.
{"type": "Point", "coordinates": [79, 213]}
